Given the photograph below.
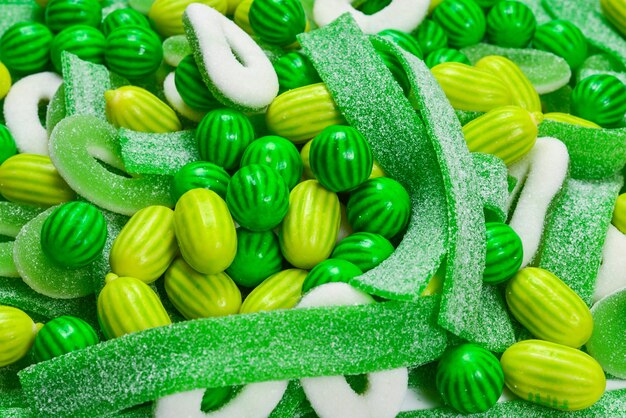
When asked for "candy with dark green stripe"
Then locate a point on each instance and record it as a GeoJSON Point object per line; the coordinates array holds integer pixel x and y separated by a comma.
{"type": "Point", "coordinates": [123, 17]}
{"type": "Point", "coordinates": [446, 55]}
{"type": "Point", "coordinates": [430, 36]}
{"type": "Point", "coordinates": [278, 153]}
{"type": "Point", "coordinates": [403, 40]}
{"type": "Point", "coordinates": [63, 335]}
{"type": "Point", "coordinates": [61, 14]}
{"type": "Point", "coordinates": [277, 22]}
{"type": "Point", "coordinates": [200, 175]}
{"type": "Point", "coordinates": [341, 158]}
{"type": "Point", "coordinates": [295, 70]}
{"type": "Point", "coordinates": [562, 38]}
{"type": "Point", "coordinates": [133, 51]}
{"type": "Point", "coordinates": [7, 144]}
{"type": "Point", "coordinates": [469, 378]}
{"type": "Point", "coordinates": [258, 257]}
{"type": "Point", "coordinates": [462, 20]}
{"type": "Point", "coordinates": [191, 88]}
{"type": "Point", "coordinates": [600, 98]}
{"type": "Point", "coordinates": [86, 42]}
{"type": "Point", "coordinates": [330, 271]}
{"type": "Point", "coordinates": [504, 253]}
{"type": "Point", "coordinates": [257, 197]}
{"type": "Point", "coordinates": [380, 205]}
{"type": "Point", "coordinates": [25, 48]}
{"type": "Point", "coordinates": [365, 250]}
{"type": "Point", "coordinates": [511, 24]}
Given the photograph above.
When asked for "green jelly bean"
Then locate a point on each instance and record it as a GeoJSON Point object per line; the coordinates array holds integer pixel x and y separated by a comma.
{"type": "Point", "coordinates": [446, 55]}
{"type": "Point", "coordinates": [61, 14]}
{"type": "Point", "coordinates": [600, 98]}
{"type": "Point", "coordinates": [504, 253]}
{"type": "Point", "coordinates": [365, 250]}
{"type": "Point", "coordinates": [191, 88]}
{"type": "Point", "coordinates": [133, 52]}
{"type": "Point", "coordinates": [258, 257]}
{"type": "Point", "coordinates": [277, 22]}
{"type": "Point", "coordinates": [86, 42]}
{"type": "Point", "coordinates": [26, 47]}
{"type": "Point", "coordinates": [330, 271]}
{"type": "Point", "coordinates": [7, 144]}
{"type": "Point", "coordinates": [430, 36]}
{"type": "Point", "coordinates": [63, 335]}
{"type": "Point", "coordinates": [200, 174]}
{"type": "Point", "coordinates": [278, 153]}
{"type": "Point", "coordinates": [462, 20]}
{"type": "Point", "coordinates": [403, 40]}
{"type": "Point", "coordinates": [562, 38]}
{"type": "Point", "coordinates": [511, 24]}
{"type": "Point", "coordinates": [123, 17]}
{"type": "Point", "coordinates": [295, 70]}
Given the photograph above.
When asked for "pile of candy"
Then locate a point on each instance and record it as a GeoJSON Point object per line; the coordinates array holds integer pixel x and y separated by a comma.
{"type": "Point", "coordinates": [253, 208]}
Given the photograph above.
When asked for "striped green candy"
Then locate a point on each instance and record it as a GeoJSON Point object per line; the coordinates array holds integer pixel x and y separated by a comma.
{"type": "Point", "coordinates": [222, 137]}
{"type": "Point", "coordinates": [191, 88]}
{"type": "Point", "coordinates": [562, 38]}
{"type": "Point", "coordinates": [123, 17]}
{"type": "Point", "coordinates": [462, 20]}
{"type": "Point", "coordinates": [469, 378]}
{"type": "Point", "coordinates": [365, 250]}
{"type": "Point", "coordinates": [74, 234]}
{"type": "Point", "coordinates": [7, 144]}
{"type": "Point", "coordinates": [278, 153]}
{"type": "Point", "coordinates": [430, 36]}
{"type": "Point", "coordinates": [133, 51]}
{"type": "Point", "coordinates": [504, 253]}
{"type": "Point", "coordinates": [600, 98]}
{"type": "Point", "coordinates": [340, 158]}
{"type": "Point", "coordinates": [25, 48]}
{"type": "Point", "coordinates": [403, 40]}
{"type": "Point", "coordinates": [257, 197]}
{"type": "Point", "coordinates": [277, 22]}
{"type": "Point", "coordinates": [83, 41]}
{"type": "Point", "coordinates": [446, 55]}
{"type": "Point", "coordinates": [61, 14]}
{"type": "Point", "coordinates": [200, 175]}
{"type": "Point", "coordinates": [63, 335]}
{"type": "Point", "coordinates": [330, 271]}
{"type": "Point", "coordinates": [380, 205]}
{"type": "Point", "coordinates": [295, 70]}
{"type": "Point", "coordinates": [511, 24]}
{"type": "Point", "coordinates": [258, 257]}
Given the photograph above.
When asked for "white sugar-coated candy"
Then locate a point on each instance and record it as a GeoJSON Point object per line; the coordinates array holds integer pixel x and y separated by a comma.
{"type": "Point", "coordinates": [178, 104]}
{"type": "Point", "coordinates": [21, 111]}
{"type": "Point", "coordinates": [236, 66]}
{"type": "Point", "coordinates": [546, 165]}
{"type": "Point", "coordinates": [332, 396]}
{"type": "Point", "coordinates": [612, 273]}
{"type": "Point", "coordinates": [403, 15]}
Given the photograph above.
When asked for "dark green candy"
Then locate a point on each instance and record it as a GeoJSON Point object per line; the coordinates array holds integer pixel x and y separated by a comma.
{"type": "Point", "coordinates": [258, 257]}
{"type": "Point", "coordinates": [257, 197]}
{"type": "Point", "coordinates": [278, 153]}
{"type": "Point", "coordinates": [133, 51]}
{"type": "Point", "coordinates": [365, 250]}
{"type": "Point", "coordinates": [74, 234]}
{"type": "Point", "coordinates": [277, 22]}
{"type": "Point", "coordinates": [215, 398]}
{"type": "Point", "coordinates": [600, 98]}
{"type": "Point", "coordinates": [504, 253]}
{"type": "Point", "coordinates": [191, 88]}
{"type": "Point", "coordinates": [86, 42]}
{"type": "Point", "coordinates": [446, 55]}
{"type": "Point", "coordinates": [295, 70]}
{"type": "Point", "coordinates": [63, 335]}
{"type": "Point", "coordinates": [462, 20]}
{"type": "Point", "coordinates": [222, 137]}
{"type": "Point", "coordinates": [200, 175]}
{"type": "Point", "coordinates": [25, 48]}
{"type": "Point", "coordinates": [469, 378]}
{"type": "Point", "coordinates": [403, 40]}
{"type": "Point", "coordinates": [331, 270]}
{"type": "Point", "coordinates": [562, 38]}
{"type": "Point", "coordinates": [123, 17]}
{"type": "Point", "coordinates": [340, 158]}
{"type": "Point", "coordinates": [393, 65]}
{"type": "Point", "coordinates": [61, 14]}
{"type": "Point", "coordinates": [430, 37]}
{"type": "Point", "coordinates": [511, 24]}
{"type": "Point", "coordinates": [7, 144]}
{"type": "Point", "coordinates": [380, 205]}
{"type": "Point", "coordinates": [370, 7]}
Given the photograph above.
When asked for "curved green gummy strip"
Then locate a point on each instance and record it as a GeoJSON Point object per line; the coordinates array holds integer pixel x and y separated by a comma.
{"type": "Point", "coordinates": [492, 185]}
{"type": "Point", "coordinates": [13, 216]}
{"type": "Point", "coordinates": [7, 265]}
{"type": "Point", "coordinates": [236, 349]}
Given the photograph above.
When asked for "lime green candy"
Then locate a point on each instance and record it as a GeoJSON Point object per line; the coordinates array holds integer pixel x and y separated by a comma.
{"type": "Point", "coordinates": [63, 335]}
{"type": "Point", "coordinates": [511, 24]}
{"type": "Point", "coordinates": [365, 250]}
{"type": "Point", "coordinates": [7, 144]}
{"type": "Point", "coordinates": [430, 37]}
{"type": "Point", "coordinates": [258, 257]}
{"type": "Point", "coordinates": [61, 14]}
{"type": "Point", "coordinates": [133, 52]}
{"type": "Point", "coordinates": [562, 38]}
{"type": "Point", "coordinates": [17, 332]}
{"type": "Point", "coordinates": [601, 99]}
{"type": "Point", "coordinates": [74, 234]}
{"type": "Point", "coordinates": [403, 40]}
{"type": "Point", "coordinates": [330, 271]}
{"type": "Point", "coordinates": [504, 253]}
{"type": "Point", "coordinates": [200, 174]}
{"type": "Point", "coordinates": [123, 17]}
{"type": "Point", "coordinates": [442, 55]}
{"type": "Point", "coordinates": [86, 42]}
{"type": "Point", "coordinates": [279, 291]}
{"type": "Point", "coordinates": [26, 47]}
{"type": "Point", "coordinates": [462, 20]}
{"type": "Point", "coordinates": [277, 22]}
{"type": "Point", "coordinates": [191, 88]}
{"type": "Point", "coordinates": [277, 153]}
{"type": "Point", "coordinates": [295, 70]}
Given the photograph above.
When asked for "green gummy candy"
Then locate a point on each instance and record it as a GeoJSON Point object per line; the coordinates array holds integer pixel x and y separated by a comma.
{"type": "Point", "coordinates": [492, 185]}
{"type": "Point", "coordinates": [13, 216]}
{"type": "Point", "coordinates": [606, 344]}
{"type": "Point", "coordinates": [216, 352]}
{"type": "Point", "coordinates": [175, 48]}
{"type": "Point", "coordinates": [7, 265]}
{"type": "Point", "coordinates": [150, 153]}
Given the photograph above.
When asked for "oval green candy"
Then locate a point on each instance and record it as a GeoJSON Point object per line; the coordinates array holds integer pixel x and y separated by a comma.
{"type": "Point", "coordinates": [123, 17]}
{"type": "Point", "coordinates": [25, 47]}
{"type": "Point", "coordinates": [330, 271]}
{"type": "Point", "coordinates": [278, 153]}
{"type": "Point", "coordinates": [462, 20]}
{"type": "Point", "coordinates": [86, 42]}
{"type": "Point", "coordinates": [430, 36]}
{"type": "Point", "coordinates": [133, 51]}
{"type": "Point", "coordinates": [200, 175]}
{"type": "Point", "coordinates": [504, 253]}
{"type": "Point", "coordinates": [63, 335]}
{"type": "Point", "coordinates": [600, 98]}
{"type": "Point", "coordinates": [365, 250]}
{"type": "Point", "coordinates": [446, 55]}
{"type": "Point", "coordinates": [61, 14]}
{"type": "Point", "coordinates": [511, 24]}
{"type": "Point", "coordinates": [277, 22]}
{"type": "Point", "coordinates": [258, 257]}
{"type": "Point", "coordinates": [7, 144]}
{"type": "Point", "coordinates": [191, 88]}
{"type": "Point", "coordinates": [562, 38]}
{"type": "Point", "coordinates": [403, 40]}
{"type": "Point", "coordinates": [295, 70]}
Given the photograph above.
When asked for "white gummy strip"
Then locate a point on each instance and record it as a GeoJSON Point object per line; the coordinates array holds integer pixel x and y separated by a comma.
{"type": "Point", "coordinates": [612, 273]}
{"type": "Point", "coordinates": [178, 104]}
{"type": "Point", "coordinates": [21, 111]}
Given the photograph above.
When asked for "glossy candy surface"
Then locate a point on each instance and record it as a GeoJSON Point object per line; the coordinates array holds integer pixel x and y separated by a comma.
{"type": "Point", "coordinates": [295, 70]}
{"type": "Point", "coordinates": [17, 333]}
{"type": "Point", "coordinates": [277, 153]}
{"type": "Point", "coordinates": [511, 24]}
{"type": "Point", "coordinates": [26, 47]}
{"type": "Point", "coordinates": [430, 37]}
{"type": "Point", "coordinates": [200, 174]}
{"type": "Point", "coordinates": [61, 14]}
{"type": "Point", "coordinates": [441, 55]}
{"type": "Point", "coordinates": [462, 20]}
{"type": "Point", "coordinates": [190, 86]}
{"type": "Point", "coordinates": [504, 253]}
{"type": "Point", "coordinates": [277, 22]}
{"type": "Point", "coordinates": [403, 40]}
{"type": "Point", "coordinates": [86, 42]}
{"type": "Point", "coordinates": [330, 271]}
{"type": "Point", "coordinates": [365, 250]}
{"type": "Point", "coordinates": [133, 51]}
{"type": "Point", "coordinates": [63, 335]}
{"type": "Point", "coordinates": [279, 291]}
{"type": "Point", "coordinates": [123, 17]}
{"type": "Point", "coordinates": [600, 98]}
{"type": "Point", "coordinates": [258, 257]}
{"type": "Point", "coordinates": [562, 38]}
{"type": "Point", "coordinates": [7, 144]}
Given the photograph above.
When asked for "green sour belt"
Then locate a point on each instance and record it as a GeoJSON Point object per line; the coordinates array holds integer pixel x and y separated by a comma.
{"type": "Point", "coordinates": [493, 185]}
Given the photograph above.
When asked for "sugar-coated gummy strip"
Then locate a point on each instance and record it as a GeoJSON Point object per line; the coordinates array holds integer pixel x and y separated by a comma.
{"type": "Point", "coordinates": [236, 349]}
{"type": "Point", "coordinates": [15, 11]}
{"type": "Point", "coordinates": [575, 232]}
{"type": "Point", "coordinates": [21, 111]}
{"type": "Point", "coordinates": [399, 144]}
{"type": "Point", "coordinates": [600, 64]}
{"type": "Point", "coordinates": [12, 398]}
{"type": "Point", "coordinates": [7, 266]}
{"type": "Point", "coordinates": [13, 216]}
{"type": "Point", "coordinates": [176, 102]}
{"type": "Point", "coordinates": [493, 185]}
{"type": "Point", "coordinates": [149, 153]}
{"type": "Point", "coordinates": [612, 273]}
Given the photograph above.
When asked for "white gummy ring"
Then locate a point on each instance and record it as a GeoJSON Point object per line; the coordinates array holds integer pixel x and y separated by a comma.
{"type": "Point", "coordinates": [21, 111]}
{"type": "Point", "coordinates": [612, 273]}
{"type": "Point", "coordinates": [403, 15]}
{"type": "Point", "coordinates": [178, 104]}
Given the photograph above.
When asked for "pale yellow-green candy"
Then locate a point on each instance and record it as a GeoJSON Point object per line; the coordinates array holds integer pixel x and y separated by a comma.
{"type": "Point", "coordinates": [619, 213]}
{"type": "Point", "coordinates": [433, 4]}
{"type": "Point", "coordinates": [17, 334]}
{"type": "Point", "coordinates": [198, 295]}
{"type": "Point", "coordinates": [305, 153]}
{"type": "Point", "coordinates": [137, 109]}
{"type": "Point", "coordinates": [377, 171]}
{"type": "Point", "coordinates": [127, 305]}
{"type": "Point", "coordinates": [167, 15]}
{"type": "Point", "coordinates": [434, 286]}
{"type": "Point", "coordinates": [309, 231]}
{"type": "Point", "coordinates": [242, 16]}
{"type": "Point", "coordinates": [279, 291]}
{"type": "Point", "coordinates": [232, 6]}
{"type": "Point", "coordinates": [146, 246]}
{"type": "Point", "coordinates": [205, 231]}
{"type": "Point", "coordinates": [5, 81]}
{"type": "Point", "coordinates": [615, 12]}
{"type": "Point", "coordinates": [571, 119]}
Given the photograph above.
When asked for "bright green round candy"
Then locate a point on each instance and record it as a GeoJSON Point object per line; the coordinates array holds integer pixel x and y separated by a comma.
{"type": "Point", "coordinates": [191, 87]}
{"type": "Point", "coordinates": [365, 250]}
{"type": "Point", "coordinates": [462, 20]}
{"type": "Point", "coordinates": [430, 36]}
{"type": "Point", "coordinates": [504, 253]}
{"type": "Point", "coordinates": [7, 144]}
{"type": "Point", "coordinates": [295, 70]}
{"type": "Point", "coordinates": [469, 378]}
{"type": "Point", "coordinates": [133, 51]}
{"type": "Point", "coordinates": [380, 205]}
{"type": "Point", "coordinates": [74, 234]}
{"type": "Point", "coordinates": [200, 175]}
{"type": "Point", "coordinates": [340, 158]}
{"type": "Point", "coordinates": [86, 42]}
{"type": "Point", "coordinates": [600, 98]}
{"type": "Point", "coordinates": [562, 38]}
{"type": "Point", "coordinates": [403, 40]}
{"type": "Point", "coordinates": [25, 48]}
{"type": "Point", "coordinates": [277, 22]}
{"type": "Point", "coordinates": [258, 257]}
{"type": "Point", "coordinates": [511, 24]}
{"type": "Point", "coordinates": [61, 14]}
{"type": "Point", "coordinates": [278, 153]}
{"type": "Point", "coordinates": [222, 137]}
{"type": "Point", "coordinates": [123, 17]}
{"type": "Point", "coordinates": [63, 335]}
{"type": "Point", "coordinates": [331, 270]}
{"type": "Point", "coordinates": [257, 197]}
{"type": "Point", "coordinates": [446, 55]}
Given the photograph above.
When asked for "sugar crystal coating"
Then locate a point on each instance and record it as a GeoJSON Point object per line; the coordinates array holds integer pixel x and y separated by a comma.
{"type": "Point", "coordinates": [492, 184]}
